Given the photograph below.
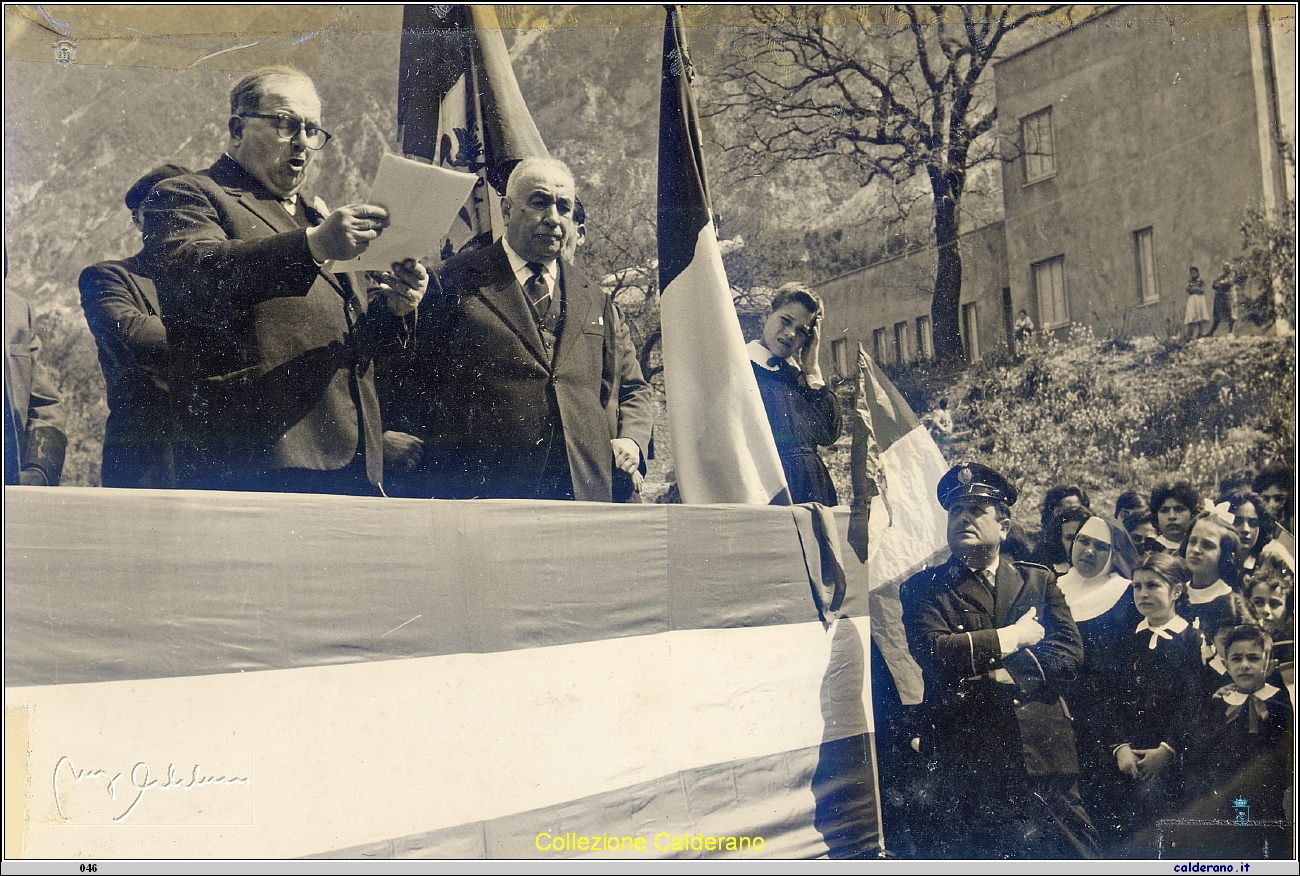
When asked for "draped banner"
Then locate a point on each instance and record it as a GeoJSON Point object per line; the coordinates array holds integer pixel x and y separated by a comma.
{"type": "Point", "coordinates": [263, 675]}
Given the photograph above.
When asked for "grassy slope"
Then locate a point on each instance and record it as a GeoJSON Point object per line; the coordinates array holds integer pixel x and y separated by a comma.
{"type": "Point", "coordinates": [1115, 416]}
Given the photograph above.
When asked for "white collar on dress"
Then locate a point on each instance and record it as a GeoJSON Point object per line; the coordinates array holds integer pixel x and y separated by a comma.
{"type": "Point", "coordinates": [1208, 594]}
{"type": "Point", "coordinates": [1176, 624]}
{"type": "Point", "coordinates": [1091, 597]}
{"type": "Point", "coordinates": [761, 355]}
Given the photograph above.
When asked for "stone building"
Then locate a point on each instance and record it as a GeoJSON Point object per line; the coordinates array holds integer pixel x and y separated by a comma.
{"type": "Point", "coordinates": [1139, 136]}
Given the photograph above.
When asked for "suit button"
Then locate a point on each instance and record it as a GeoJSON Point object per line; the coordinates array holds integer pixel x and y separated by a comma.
{"type": "Point", "coordinates": [1015, 702]}
{"type": "Point", "coordinates": [960, 627]}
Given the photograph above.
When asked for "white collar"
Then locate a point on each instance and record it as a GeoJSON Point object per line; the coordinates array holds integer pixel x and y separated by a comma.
{"type": "Point", "coordinates": [761, 355]}
{"type": "Point", "coordinates": [1235, 697]}
{"type": "Point", "coordinates": [1176, 624]}
{"type": "Point", "coordinates": [519, 266]}
{"type": "Point", "coordinates": [1208, 594]}
{"type": "Point", "coordinates": [1091, 597]}
{"type": "Point", "coordinates": [991, 569]}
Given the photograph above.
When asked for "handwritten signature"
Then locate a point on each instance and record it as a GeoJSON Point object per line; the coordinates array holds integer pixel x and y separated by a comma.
{"type": "Point", "coordinates": [141, 780]}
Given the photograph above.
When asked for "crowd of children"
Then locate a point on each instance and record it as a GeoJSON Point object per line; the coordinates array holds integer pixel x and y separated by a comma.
{"type": "Point", "coordinates": [1184, 706]}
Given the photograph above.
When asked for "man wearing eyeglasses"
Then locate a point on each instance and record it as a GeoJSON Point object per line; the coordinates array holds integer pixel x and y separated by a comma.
{"type": "Point", "coordinates": [272, 352]}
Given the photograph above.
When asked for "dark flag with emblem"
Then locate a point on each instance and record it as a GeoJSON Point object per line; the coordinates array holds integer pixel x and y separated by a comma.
{"type": "Point", "coordinates": [459, 107]}
{"type": "Point", "coordinates": [723, 448]}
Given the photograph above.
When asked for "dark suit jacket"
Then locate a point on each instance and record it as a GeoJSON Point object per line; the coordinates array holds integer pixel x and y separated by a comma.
{"type": "Point", "coordinates": [951, 621]}
{"type": "Point", "coordinates": [121, 307]}
{"type": "Point", "coordinates": [482, 391]}
{"type": "Point", "coordinates": [34, 414]}
{"type": "Point", "coordinates": [272, 357]}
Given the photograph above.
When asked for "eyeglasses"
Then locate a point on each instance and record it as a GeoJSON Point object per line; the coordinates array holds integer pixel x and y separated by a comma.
{"type": "Point", "coordinates": [288, 127]}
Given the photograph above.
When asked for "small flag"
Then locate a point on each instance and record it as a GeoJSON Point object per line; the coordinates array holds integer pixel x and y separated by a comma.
{"type": "Point", "coordinates": [723, 448]}
{"type": "Point", "coordinates": [896, 467]}
{"type": "Point", "coordinates": [459, 107]}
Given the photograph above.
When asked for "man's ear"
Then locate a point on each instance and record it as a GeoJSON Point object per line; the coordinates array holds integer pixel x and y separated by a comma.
{"type": "Point", "coordinates": [1005, 523]}
{"type": "Point", "coordinates": [236, 127]}
{"type": "Point", "coordinates": [505, 209]}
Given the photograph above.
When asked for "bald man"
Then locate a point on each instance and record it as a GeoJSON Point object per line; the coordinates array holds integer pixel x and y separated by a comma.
{"type": "Point", "coordinates": [522, 382]}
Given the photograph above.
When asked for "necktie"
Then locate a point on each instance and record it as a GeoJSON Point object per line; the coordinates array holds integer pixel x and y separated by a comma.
{"type": "Point", "coordinates": [538, 290]}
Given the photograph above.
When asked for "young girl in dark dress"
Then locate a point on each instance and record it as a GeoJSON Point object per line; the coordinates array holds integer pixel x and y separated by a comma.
{"type": "Point", "coordinates": [801, 408]}
{"type": "Point", "coordinates": [1210, 549]}
{"type": "Point", "coordinates": [1154, 693]}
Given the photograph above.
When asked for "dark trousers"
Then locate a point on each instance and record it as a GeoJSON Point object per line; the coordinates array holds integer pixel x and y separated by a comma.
{"type": "Point", "coordinates": [1008, 816]}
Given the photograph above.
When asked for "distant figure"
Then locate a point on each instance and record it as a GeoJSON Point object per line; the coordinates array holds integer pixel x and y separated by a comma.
{"type": "Point", "coordinates": [121, 307]}
{"type": "Point", "coordinates": [35, 442]}
{"type": "Point", "coordinates": [1131, 502]}
{"type": "Point", "coordinates": [1024, 330]}
{"type": "Point", "coordinates": [1225, 298]}
{"type": "Point", "coordinates": [1275, 486]}
{"type": "Point", "coordinates": [941, 422]}
{"type": "Point", "coordinates": [1061, 497]}
{"type": "Point", "coordinates": [1197, 317]}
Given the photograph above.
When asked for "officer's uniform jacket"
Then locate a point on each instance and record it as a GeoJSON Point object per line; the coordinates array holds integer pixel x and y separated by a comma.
{"type": "Point", "coordinates": [987, 715]}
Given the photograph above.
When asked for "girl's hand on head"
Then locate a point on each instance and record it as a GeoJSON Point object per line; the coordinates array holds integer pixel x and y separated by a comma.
{"type": "Point", "coordinates": [808, 358]}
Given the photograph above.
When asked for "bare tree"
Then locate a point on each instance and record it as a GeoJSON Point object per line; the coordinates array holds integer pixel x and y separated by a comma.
{"type": "Point", "coordinates": [897, 94]}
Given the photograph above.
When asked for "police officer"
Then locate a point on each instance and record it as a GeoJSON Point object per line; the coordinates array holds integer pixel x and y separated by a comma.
{"type": "Point", "coordinates": [994, 639]}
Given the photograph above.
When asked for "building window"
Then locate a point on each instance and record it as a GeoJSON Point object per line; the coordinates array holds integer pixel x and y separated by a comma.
{"type": "Point", "coordinates": [1049, 284]}
{"type": "Point", "coordinates": [924, 338]}
{"type": "Point", "coordinates": [1040, 152]}
{"type": "Point", "coordinates": [880, 346]}
{"type": "Point", "coordinates": [840, 358]}
{"type": "Point", "coordinates": [901, 351]}
{"type": "Point", "coordinates": [1144, 250]}
{"type": "Point", "coordinates": [970, 335]}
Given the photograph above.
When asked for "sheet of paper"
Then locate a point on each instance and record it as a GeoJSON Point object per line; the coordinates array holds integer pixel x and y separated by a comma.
{"type": "Point", "coordinates": [422, 201]}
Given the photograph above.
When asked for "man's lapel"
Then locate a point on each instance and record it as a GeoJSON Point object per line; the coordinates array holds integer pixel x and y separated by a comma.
{"type": "Point", "coordinates": [1009, 585]}
{"type": "Point", "coordinates": [252, 195]}
{"type": "Point", "coordinates": [967, 585]}
{"type": "Point", "coordinates": [269, 210]}
{"type": "Point", "coordinates": [584, 307]}
{"type": "Point", "coordinates": [501, 292]}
